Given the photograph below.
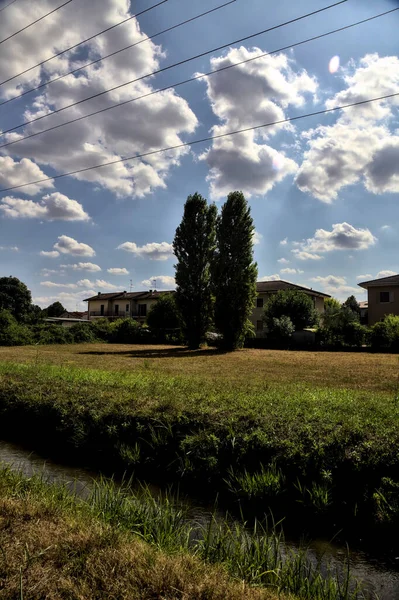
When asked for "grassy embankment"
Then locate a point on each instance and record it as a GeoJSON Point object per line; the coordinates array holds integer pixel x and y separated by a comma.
{"type": "Point", "coordinates": [322, 449]}
{"type": "Point", "coordinates": [122, 545]}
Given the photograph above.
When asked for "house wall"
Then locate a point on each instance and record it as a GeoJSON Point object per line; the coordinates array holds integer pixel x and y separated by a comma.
{"type": "Point", "coordinates": [257, 313]}
{"type": "Point", "coordinates": [376, 309]}
{"type": "Point", "coordinates": [95, 306]}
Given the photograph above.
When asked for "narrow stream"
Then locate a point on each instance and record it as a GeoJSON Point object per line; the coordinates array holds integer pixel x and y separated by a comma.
{"type": "Point", "coordinates": [380, 578]}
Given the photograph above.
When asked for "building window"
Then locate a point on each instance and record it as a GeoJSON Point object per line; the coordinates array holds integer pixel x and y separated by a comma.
{"type": "Point", "coordinates": [385, 297]}
{"type": "Point", "coordinates": [142, 310]}
{"type": "Point", "coordinates": [102, 310]}
{"type": "Point", "coordinates": [259, 303]}
{"type": "Point", "coordinates": [259, 325]}
{"type": "Point", "coordinates": [127, 308]}
{"type": "Point", "coordinates": [116, 309]}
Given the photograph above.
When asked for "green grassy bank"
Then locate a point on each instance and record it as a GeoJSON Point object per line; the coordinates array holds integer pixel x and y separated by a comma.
{"type": "Point", "coordinates": [117, 544]}
{"type": "Point", "coordinates": [319, 456]}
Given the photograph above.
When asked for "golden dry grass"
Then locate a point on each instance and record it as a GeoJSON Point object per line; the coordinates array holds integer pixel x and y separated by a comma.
{"type": "Point", "coordinates": [354, 370]}
{"type": "Point", "coordinates": [53, 554]}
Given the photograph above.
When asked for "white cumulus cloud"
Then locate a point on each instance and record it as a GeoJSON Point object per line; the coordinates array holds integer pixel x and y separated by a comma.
{"type": "Point", "coordinates": [250, 94]}
{"type": "Point", "coordinates": [135, 128]}
{"type": "Point", "coordinates": [289, 271]}
{"type": "Point", "coordinates": [360, 145]}
{"type": "Point", "coordinates": [385, 274]}
{"type": "Point", "coordinates": [83, 266]}
{"type": "Point", "coordinates": [275, 277]}
{"type": "Point", "coordinates": [50, 253]}
{"type": "Point", "coordinates": [52, 207]}
{"type": "Point", "coordinates": [118, 271]}
{"type": "Point", "coordinates": [14, 173]}
{"type": "Point", "coordinates": [160, 282]}
{"type": "Point", "coordinates": [153, 250]}
{"type": "Point", "coordinates": [343, 236]}
{"type": "Point", "coordinates": [68, 245]}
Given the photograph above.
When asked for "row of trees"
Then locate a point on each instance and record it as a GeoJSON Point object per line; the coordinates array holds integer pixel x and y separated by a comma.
{"type": "Point", "coordinates": [215, 271]}
{"type": "Point", "coordinates": [15, 297]}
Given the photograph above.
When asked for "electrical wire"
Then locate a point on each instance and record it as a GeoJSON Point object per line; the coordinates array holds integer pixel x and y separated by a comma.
{"type": "Point", "coordinates": [163, 69]}
{"type": "Point", "coordinates": [34, 22]}
{"type": "Point", "coordinates": [93, 62]}
{"type": "Point", "coordinates": [202, 140]}
{"type": "Point", "coordinates": [43, 62]}
{"type": "Point", "coordinates": [7, 5]}
{"type": "Point", "coordinates": [196, 78]}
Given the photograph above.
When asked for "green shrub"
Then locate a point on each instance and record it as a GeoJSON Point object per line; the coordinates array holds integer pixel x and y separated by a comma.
{"type": "Point", "coordinates": [53, 334]}
{"type": "Point", "coordinates": [295, 305]}
{"type": "Point", "coordinates": [13, 333]}
{"type": "Point", "coordinates": [281, 329]}
{"type": "Point", "coordinates": [83, 333]}
{"type": "Point", "coordinates": [126, 331]}
{"type": "Point", "coordinates": [102, 329]}
{"type": "Point", "coordinates": [385, 333]}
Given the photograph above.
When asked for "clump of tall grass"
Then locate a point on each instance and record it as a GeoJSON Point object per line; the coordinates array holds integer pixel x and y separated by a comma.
{"type": "Point", "coordinates": [265, 484]}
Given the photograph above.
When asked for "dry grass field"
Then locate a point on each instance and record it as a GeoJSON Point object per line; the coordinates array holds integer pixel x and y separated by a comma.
{"type": "Point", "coordinates": [353, 370]}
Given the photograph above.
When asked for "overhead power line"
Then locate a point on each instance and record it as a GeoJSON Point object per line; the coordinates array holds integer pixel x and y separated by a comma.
{"type": "Point", "coordinates": [168, 67]}
{"type": "Point", "coordinates": [43, 62]}
{"type": "Point", "coordinates": [202, 140]}
{"type": "Point", "coordinates": [34, 22]}
{"type": "Point", "coordinates": [196, 78]}
{"type": "Point", "coordinates": [146, 39]}
{"type": "Point", "coordinates": [7, 5]}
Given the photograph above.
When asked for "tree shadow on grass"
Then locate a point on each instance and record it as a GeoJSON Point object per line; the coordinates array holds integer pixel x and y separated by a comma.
{"type": "Point", "coordinates": [159, 353]}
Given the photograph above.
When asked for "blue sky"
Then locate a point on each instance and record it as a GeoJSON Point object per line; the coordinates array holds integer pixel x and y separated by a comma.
{"type": "Point", "coordinates": [323, 190]}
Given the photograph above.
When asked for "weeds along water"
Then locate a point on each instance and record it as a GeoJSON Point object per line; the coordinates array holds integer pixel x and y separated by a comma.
{"type": "Point", "coordinates": [253, 553]}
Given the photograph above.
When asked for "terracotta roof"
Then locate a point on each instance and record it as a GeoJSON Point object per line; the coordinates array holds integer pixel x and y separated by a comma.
{"type": "Point", "coordinates": [276, 286]}
{"type": "Point", "coordinates": [391, 280]}
{"type": "Point", "coordinates": [130, 295]}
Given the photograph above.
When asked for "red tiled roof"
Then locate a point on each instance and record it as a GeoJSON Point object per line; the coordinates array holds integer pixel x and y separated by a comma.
{"type": "Point", "coordinates": [130, 295]}
{"type": "Point", "coordinates": [391, 280]}
{"type": "Point", "coordinates": [276, 286]}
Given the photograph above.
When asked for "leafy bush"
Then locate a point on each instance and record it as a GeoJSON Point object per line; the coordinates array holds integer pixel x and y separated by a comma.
{"type": "Point", "coordinates": [126, 331]}
{"type": "Point", "coordinates": [164, 317]}
{"type": "Point", "coordinates": [281, 329]}
{"type": "Point", "coordinates": [385, 333]}
{"type": "Point", "coordinates": [52, 334]}
{"type": "Point", "coordinates": [13, 333]}
{"type": "Point", "coordinates": [341, 327]}
{"type": "Point", "coordinates": [102, 329]}
{"type": "Point", "coordinates": [295, 305]}
{"type": "Point", "coordinates": [83, 333]}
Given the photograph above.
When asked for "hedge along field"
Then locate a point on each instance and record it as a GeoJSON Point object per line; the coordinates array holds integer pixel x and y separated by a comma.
{"type": "Point", "coordinates": [312, 455]}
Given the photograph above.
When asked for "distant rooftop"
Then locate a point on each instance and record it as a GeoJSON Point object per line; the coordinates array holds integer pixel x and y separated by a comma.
{"type": "Point", "coordinates": [275, 286]}
{"type": "Point", "coordinates": [391, 280]}
{"type": "Point", "coordinates": [147, 295]}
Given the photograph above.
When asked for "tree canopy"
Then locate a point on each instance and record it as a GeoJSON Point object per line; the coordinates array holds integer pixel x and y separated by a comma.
{"type": "Point", "coordinates": [194, 247]}
{"type": "Point", "coordinates": [234, 271]}
{"type": "Point", "coordinates": [15, 297]}
{"type": "Point", "coordinates": [55, 310]}
{"type": "Point", "coordinates": [164, 315]}
{"type": "Point", "coordinates": [294, 304]}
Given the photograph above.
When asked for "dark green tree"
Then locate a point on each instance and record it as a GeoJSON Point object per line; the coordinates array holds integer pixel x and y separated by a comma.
{"type": "Point", "coordinates": [15, 297]}
{"type": "Point", "coordinates": [352, 304]}
{"type": "Point", "coordinates": [294, 304]}
{"type": "Point", "coordinates": [194, 247]}
{"type": "Point", "coordinates": [164, 315]}
{"type": "Point", "coordinates": [55, 310]}
{"type": "Point", "coordinates": [234, 271]}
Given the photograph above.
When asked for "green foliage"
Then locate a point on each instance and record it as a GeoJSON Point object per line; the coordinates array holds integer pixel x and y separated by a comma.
{"type": "Point", "coordinates": [15, 297]}
{"type": "Point", "coordinates": [164, 316]}
{"type": "Point", "coordinates": [234, 272]}
{"type": "Point", "coordinates": [385, 333]}
{"type": "Point", "coordinates": [295, 305]}
{"type": "Point", "coordinates": [82, 333]}
{"type": "Point", "coordinates": [55, 310]}
{"type": "Point", "coordinates": [101, 328]}
{"type": "Point", "coordinates": [341, 327]}
{"type": "Point", "coordinates": [53, 334]}
{"type": "Point", "coordinates": [194, 246]}
{"type": "Point", "coordinates": [265, 484]}
{"type": "Point", "coordinates": [280, 329]}
{"type": "Point", "coordinates": [331, 305]}
{"type": "Point", "coordinates": [13, 333]}
{"type": "Point", "coordinates": [352, 304]}
{"type": "Point", "coordinates": [126, 331]}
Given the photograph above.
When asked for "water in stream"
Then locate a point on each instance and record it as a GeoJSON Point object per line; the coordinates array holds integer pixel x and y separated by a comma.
{"type": "Point", "coordinates": [378, 577]}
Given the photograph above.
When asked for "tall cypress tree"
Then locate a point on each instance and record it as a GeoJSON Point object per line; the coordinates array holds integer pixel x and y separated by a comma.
{"type": "Point", "coordinates": [194, 247]}
{"type": "Point", "coordinates": [234, 271]}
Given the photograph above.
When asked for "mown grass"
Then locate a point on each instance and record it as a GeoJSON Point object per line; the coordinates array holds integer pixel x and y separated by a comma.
{"type": "Point", "coordinates": [123, 545]}
{"type": "Point", "coordinates": [352, 370]}
{"type": "Point", "coordinates": [315, 454]}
